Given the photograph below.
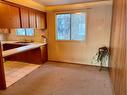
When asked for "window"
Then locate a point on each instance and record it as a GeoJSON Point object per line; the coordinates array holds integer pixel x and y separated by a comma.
{"type": "Point", "coordinates": [20, 32]}
{"type": "Point", "coordinates": [25, 32]}
{"type": "Point", "coordinates": [71, 26]}
{"type": "Point", "coordinates": [30, 32]}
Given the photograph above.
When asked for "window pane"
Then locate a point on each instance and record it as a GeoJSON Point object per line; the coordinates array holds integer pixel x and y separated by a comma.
{"type": "Point", "coordinates": [63, 26]}
{"type": "Point", "coordinates": [30, 32]}
{"type": "Point", "coordinates": [78, 26]}
{"type": "Point", "coordinates": [20, 32]}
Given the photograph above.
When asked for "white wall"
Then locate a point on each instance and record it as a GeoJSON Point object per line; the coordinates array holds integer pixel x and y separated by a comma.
{"type": "Point", "coordinates": [98, 35]}
{"type": "Point", "coordinates": [3, 34]}
{"type": "Point", "coordinates": [3, 37]}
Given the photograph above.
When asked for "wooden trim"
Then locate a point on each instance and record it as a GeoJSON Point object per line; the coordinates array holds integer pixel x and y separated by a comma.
{"type": "Point", "coordinates": [20, 17]}
{"type": "Point", "coordinates": [28, 19]}
{"type": "Point", "coordinates": [126, 42]}
{"type": "Point", "coordinates": [118, 45]}
{"type": "Point", "coordinates": [2, 74]}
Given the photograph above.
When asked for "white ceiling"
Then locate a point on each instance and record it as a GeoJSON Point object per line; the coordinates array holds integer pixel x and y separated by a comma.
{"type": "Point", "coordinates": [61, 2]}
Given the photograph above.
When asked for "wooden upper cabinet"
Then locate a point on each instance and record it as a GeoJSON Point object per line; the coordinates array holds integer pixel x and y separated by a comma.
{"type": "Point", "coordinates": [32, 19]}
{"type": "Point", "coordinates": [21, 17]}
{"type": "Point", "coordinates": [24, 17]}
{"type": "Point", "coordinates": [4, 13]}
{"type": "Point", "coordinates": [9, 16]}
{"type": "Point", "coordinates": [14, 17]}
{"type": "Point", "coordinates": [28, 18]}
{"type": "Point", "coordinates": [41, 20]}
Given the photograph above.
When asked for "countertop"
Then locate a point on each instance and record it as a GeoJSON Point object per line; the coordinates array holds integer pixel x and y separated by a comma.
{"type": "Point", "coordinates": [20, 49]}
{"type": "Point", "coordinates": [6, 42]}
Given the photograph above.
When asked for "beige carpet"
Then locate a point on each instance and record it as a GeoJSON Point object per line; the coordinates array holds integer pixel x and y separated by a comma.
{"type": "Point", "coordinates": [62, 79]}
{"type": "Point", "coordinates": [14, 71]}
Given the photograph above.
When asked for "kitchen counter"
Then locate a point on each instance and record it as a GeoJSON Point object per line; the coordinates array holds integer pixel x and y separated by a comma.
{"type": "Point", "coordinates": [8, 42]}
{"type": "Point", "coordinates": [29, 46]}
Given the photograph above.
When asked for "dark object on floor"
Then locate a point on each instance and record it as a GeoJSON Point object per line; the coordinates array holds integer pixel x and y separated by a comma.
{"type": "Point", "coordinates": [102, 53]}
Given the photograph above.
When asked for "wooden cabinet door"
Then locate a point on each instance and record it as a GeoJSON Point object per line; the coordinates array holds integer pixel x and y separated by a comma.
{"type": "Point", "coordinates": [9, 16]}
{"type": "Point", "coordinates": [4, 13]}
{"type": "Point", "coordinates": [44, 53]}
{"type": "Point", "coordinates": [24, 17]}
{"type": "Point", "coordinates": [32, 18]}
{"type": "Point", "coordinates": [41, 20]}
{"type": "Point", "coordinates": [14, 17]}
